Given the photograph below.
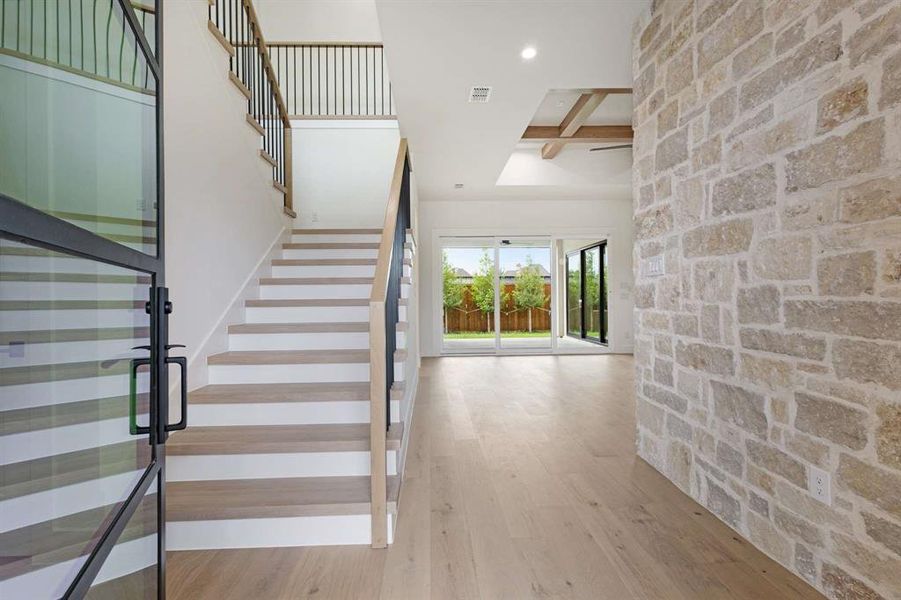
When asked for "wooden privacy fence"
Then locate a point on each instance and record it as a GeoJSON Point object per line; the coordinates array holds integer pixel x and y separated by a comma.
{"type": "Point", "coordinates": [467, 317]}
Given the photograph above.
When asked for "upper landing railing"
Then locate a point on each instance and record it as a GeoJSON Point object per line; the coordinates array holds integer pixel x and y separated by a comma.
{"type": "Point", "coordinates": [333, 80]}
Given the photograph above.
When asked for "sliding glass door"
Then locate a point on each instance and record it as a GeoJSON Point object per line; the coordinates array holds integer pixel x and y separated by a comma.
{"type": "Point", "coordinates": [524, 320]}
{"type": "Point", "coordinates": [496, 295]}
{"type": "Point", "coordinates": [468, 294]}
{"type": "Point", "coordinates": [586, 293]}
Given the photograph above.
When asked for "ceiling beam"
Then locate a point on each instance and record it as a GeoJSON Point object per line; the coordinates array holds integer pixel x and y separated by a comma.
{"type": "Point", "coordinates": [586, 134]}
{"type": "Point", "coordinates": [575, 118]}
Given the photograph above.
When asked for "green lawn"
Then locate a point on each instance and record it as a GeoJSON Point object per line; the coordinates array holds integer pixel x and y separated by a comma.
{"type": "Point", "coordinates": [472, 335]}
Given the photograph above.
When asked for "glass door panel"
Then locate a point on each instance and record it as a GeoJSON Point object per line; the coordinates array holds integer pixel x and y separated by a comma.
{"type": "Point", "coordinates": [574, 294]}
{"type": "Point", "coordinates": [591, 259]}
{"type": "Point", "coordinates": [78, 106]}
{"type": "Point", "coordinates": [524, 294]}
{"type": "Point", "coordinates": [468, 295]}
{"type": "Point", "coordinates": [71, 404]}
{"type": "Point", "coordinates": [130, 571]}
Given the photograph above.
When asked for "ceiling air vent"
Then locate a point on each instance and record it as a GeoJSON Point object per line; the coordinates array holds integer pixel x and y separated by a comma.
{"type": "Point", "coordinates": [480, 94]}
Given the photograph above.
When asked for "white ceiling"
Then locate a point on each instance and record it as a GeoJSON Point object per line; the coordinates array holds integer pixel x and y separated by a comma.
{"type": "Point", "coordinates": [438, 50]}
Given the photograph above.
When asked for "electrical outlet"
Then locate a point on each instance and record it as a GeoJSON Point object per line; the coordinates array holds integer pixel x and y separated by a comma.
{"type": "Point", "coordinates": [315, 217]}
{"type": "Point", "coordinates": [819, 484]}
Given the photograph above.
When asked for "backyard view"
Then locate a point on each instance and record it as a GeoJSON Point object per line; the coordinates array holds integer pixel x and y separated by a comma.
{"type": "Point", "coordinates": [469, 279]}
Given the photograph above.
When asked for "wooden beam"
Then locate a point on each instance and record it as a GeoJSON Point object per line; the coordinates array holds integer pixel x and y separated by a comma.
{"type": "Point", "coordinates": [588, 134]}
{"type": "Point", "coordinates": [575, 118]}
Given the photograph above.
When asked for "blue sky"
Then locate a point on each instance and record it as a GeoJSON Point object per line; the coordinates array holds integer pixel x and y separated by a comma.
{"type": "Point", "coordinates": [468, 258]}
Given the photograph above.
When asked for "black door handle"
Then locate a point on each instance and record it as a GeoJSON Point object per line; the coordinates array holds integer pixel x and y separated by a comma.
{"type": "Point", "coordinates": [182, 362]}
{"type": "Point", "coordinates": [133, 427]}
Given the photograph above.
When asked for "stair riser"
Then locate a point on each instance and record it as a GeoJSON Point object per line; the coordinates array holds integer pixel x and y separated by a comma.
{"type": "Point", "coordinates": [30, 395]}
{"type": "Point", "coordinates": [304, 341]}
{"type": "Point", "coordinates": [328, 271]}
{"type": "Point", "coordinates": [339, 530]}
{"type": "Point", "coordinates": [270, 466]}
{"type": "Point", "coordinates": [51, 582]}
{"type": "Point", "coordinates": [311, 314]}
{"type": "Point", "coordinates": [66, 500]}
{"type": "Point", "coordinates": [296, 373]}
{"type": "Point", "coordinates": [335, 238]}
{"type": "Point", "coordinates": [33, 320]}
{"type": "Point", "coordinates": [66, 290]}
{"type": "Point", "coordinates": [313, 253]}
{"type": "Point", "coordinates": [59, 440]}
{"type": "Point", "coordinates": [284, 413]}
{"type": "Point", "coordinates": [314, 292]}
{"type": "Point", "coordinates": [69, 352]}
{"type": "Point", "coordinates": [324, 271]}
{"type": "Point", "coordinates": [321, 292]}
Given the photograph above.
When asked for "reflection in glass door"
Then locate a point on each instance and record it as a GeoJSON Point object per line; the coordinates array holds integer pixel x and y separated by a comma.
{"type": "Point", "coordinates": [524, 294]}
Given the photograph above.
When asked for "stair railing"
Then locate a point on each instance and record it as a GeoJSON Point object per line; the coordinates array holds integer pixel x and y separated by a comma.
{"type": "Point", "coordinates": [238, 29]}
{"type": "Point", "coordinates": [333, 80]}
{"type": "Point", "coordinates": [384, 314]}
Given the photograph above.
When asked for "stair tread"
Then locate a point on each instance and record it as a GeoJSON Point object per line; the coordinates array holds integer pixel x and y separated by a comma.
{"type": "Point", "coordinates": [336, 231]}
{"type": "Point", "coordinates": [316, 281]}
{"type": "Point", "coordinates": [272, 498]}
{"type": "Point", "coordinates": [284, 302]}
{"type": "Point", "coordinates": [345, 327]}
{"type": "Point", "coordinates": [245, 393]}
{"type": "Point", "coordinates": [276, 439]}
{"type": "Point", "coordinates": [288, 357]}
{"type": "Point", "coordinates": [51, 416]}
{"type": "Point", "coordinates": [331, 246]}
{"type": "Point", "coordinates": [327, 262]}
{"type": "Point", "coordinates": [348, 327]}
{"type": "Point", "coordinates": [57, 336]}
{"type": "Point", "coordinates": [69, 537]}
{"type": "Point", "coordinates": [294, 357]}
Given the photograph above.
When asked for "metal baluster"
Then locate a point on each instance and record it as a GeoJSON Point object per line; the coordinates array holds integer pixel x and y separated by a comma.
{"type": "Point", "coordinates": [122, 46]}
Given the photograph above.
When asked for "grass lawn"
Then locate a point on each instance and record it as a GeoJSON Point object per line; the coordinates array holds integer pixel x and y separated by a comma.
{"type": "Point", "coordinates": [472, 335]}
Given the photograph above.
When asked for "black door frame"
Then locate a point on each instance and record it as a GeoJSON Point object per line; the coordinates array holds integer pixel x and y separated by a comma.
{"type": "Point", "coordinates": [601, 340]}
{"type": "Point", "coordinates": [22, 223]}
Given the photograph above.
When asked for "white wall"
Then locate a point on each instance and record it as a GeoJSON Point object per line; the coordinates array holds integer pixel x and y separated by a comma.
{"type": "Point", "coordinates": [319, 20]}
{"type": "Point", "coordinates": [342, 171]}
{"type": "Point", "coordinates": [222, 213]}
{"type": "Point", "coordinates": [571, 219]}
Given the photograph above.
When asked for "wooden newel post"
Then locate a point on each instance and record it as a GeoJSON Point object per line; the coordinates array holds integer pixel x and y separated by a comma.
{"type": "Point", "coordinates": [289, 164]}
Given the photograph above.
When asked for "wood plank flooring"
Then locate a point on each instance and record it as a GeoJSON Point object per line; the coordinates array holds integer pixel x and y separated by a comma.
{"type": "Point", "coordinates": [521, 482]}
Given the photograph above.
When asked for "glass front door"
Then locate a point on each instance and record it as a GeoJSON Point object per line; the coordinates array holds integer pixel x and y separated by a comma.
{"type": "Point", "coordinates": [83, 307]}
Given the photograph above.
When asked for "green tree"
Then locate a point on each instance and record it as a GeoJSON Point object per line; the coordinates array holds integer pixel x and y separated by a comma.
{"type": "Point", "coordinates": [453, 288]}
{"type": "Point", "coordinates": [482, 289]}
{"type": "Point", "coordinates": [528, 288]}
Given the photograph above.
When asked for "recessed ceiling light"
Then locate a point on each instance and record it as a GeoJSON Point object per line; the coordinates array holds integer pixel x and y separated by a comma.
{"type": "Point", "coordinates": [529, 52]}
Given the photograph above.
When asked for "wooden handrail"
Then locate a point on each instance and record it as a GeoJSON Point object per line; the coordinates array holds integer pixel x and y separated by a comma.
{"type": "Point", "coordinates": [378, 359]}
{"type": "Point", "coordinates": [267, 63]}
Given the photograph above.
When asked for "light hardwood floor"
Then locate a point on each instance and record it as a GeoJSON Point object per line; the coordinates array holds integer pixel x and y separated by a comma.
{"type": "Point", "coordinates": [521, 482]}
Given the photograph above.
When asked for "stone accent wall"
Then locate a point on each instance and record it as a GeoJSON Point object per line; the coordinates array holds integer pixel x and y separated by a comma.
{"type": "Point", "coordinates": [768, 179]}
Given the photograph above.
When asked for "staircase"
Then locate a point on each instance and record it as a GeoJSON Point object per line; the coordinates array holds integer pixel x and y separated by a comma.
{"type": "Point", "coordinates": [277, 452]}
